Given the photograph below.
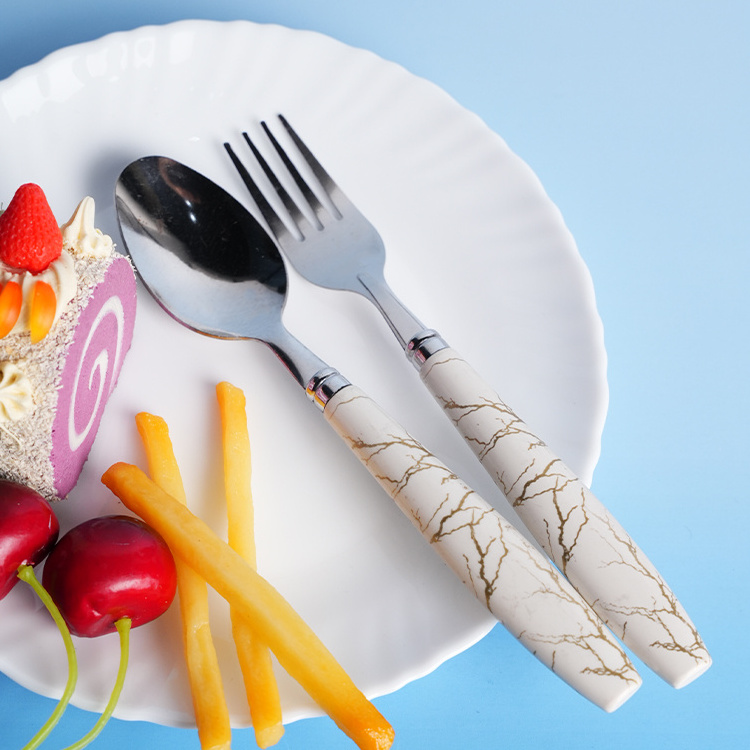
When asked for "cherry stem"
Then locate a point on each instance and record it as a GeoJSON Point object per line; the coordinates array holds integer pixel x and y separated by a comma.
{"type": "Point", "coordinates": [123, 629]}
{"type": "Point", "coordinates": [26, 574]}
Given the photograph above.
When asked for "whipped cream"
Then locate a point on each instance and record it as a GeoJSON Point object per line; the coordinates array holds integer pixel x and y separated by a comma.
{"type": "Point", "coordinates": [81, 237]}
{"type": "Point", "coordinates": [16, 398]}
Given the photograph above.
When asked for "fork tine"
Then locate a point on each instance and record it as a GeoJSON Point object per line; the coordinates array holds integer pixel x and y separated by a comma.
{"type": "Point", "coordinates": [271, 217]}
{"type": "Point", "coordinates": [325, 180]}
{"type": "Point", "coordinates": [300, 219]}
{"type": "Point", "coordinates": [308, 194]}
{"type": "Point", "coordinates": [289, 204]}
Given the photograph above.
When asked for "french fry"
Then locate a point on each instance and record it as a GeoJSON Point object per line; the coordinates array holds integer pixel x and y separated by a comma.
{"type": "Point", "coordinates": [209, 703]}
{"type": "Point", "coordinates": [254, 656]}
{"type": "Point", "coordinates": [299, 651]}
{"type": "Point", "coordinates": [237, 471]}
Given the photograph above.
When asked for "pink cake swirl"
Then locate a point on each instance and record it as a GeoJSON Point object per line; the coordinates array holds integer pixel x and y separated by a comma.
{"type": "Point", "coordinates": [101, 339]}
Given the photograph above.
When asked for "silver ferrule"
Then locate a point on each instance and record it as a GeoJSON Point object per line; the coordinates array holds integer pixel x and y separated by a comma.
{"type": "Point", "coordinates": [325, 384]}
{"type": "Point", "coordinates": [423, 346]}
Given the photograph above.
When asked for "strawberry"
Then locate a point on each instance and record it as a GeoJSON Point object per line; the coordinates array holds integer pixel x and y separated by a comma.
{"type": "Point", "coordinates": [30, 238]}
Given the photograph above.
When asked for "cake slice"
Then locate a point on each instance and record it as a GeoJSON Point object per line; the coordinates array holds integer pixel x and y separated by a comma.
{"type": "Point", "coordinates": [60, 359]}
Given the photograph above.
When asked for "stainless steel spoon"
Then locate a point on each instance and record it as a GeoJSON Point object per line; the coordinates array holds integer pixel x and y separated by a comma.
{"type": "Point", "coordinates": [214, 269]}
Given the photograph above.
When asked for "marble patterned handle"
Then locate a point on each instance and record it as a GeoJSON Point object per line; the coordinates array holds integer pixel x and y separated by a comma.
{"type": "Point", "coordinates": [580, 535]}
{"type": "Point", "coordinates": [492, 558]}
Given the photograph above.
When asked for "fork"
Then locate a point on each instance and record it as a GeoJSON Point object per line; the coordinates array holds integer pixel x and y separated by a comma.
{"type": "Point", "coordinates": [333, 245]}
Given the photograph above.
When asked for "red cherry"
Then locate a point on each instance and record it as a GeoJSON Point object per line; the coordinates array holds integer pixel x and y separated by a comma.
{"type": "Point", "coordinates": [28, 530]}
{"type": "Point", "coordinates": [107, 569]}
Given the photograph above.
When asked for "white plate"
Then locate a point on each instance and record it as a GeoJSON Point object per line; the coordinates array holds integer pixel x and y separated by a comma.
{"type": "Point", "coordinates": [475, 247]}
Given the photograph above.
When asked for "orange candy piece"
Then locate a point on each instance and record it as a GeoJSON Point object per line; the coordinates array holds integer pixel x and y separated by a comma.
{"type": "Point", "coordinates": [11, 300]}
{"type": "Point", "coordinates": [42, 310]}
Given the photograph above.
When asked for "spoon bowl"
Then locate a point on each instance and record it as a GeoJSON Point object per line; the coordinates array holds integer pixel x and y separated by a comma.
{"type": "Point", "coordinates": [206, 259]}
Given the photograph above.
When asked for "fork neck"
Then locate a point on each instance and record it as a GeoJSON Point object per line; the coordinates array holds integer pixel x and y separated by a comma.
{"type": "Point", "coordinates": [416, 340]}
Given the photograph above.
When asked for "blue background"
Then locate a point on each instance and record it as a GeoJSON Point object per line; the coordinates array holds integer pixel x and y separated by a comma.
{"type": "Point", "coordinates": [635, 116]}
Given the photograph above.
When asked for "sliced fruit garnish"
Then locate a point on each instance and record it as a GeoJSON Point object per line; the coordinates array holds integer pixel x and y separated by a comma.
{"type": "Point", "coordinates": [11, 301]}
{"type": "Point", "coordinates": [42, 310]}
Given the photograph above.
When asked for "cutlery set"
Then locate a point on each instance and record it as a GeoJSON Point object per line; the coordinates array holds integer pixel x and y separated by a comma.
{"type": "Point", "coordinates": [213, 267]}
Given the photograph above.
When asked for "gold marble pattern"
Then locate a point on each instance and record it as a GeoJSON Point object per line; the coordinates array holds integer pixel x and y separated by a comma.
{"type": "Point", "coordinates": [580, 535]}
{"type": "Point", "coordinates": [504, 571]}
